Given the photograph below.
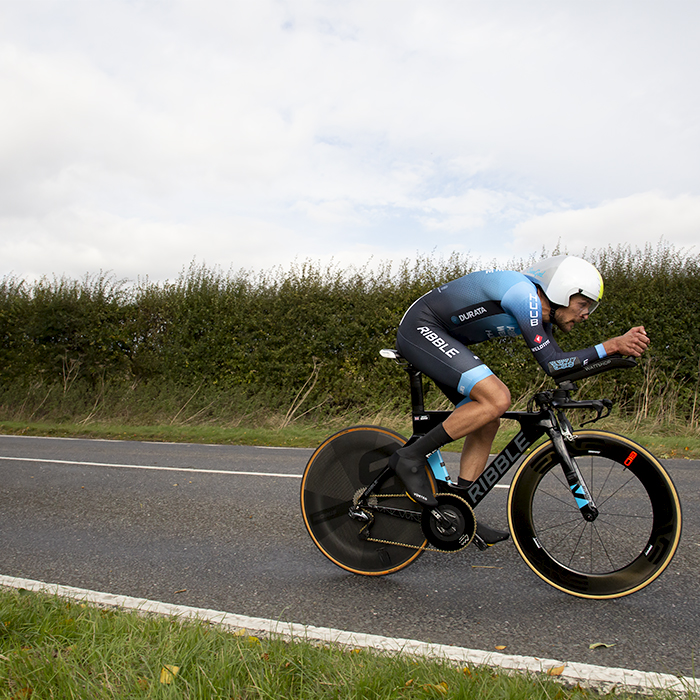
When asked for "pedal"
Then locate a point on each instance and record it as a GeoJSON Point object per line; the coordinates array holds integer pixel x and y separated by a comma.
{"type": "Point", "coordinates": [489, 536]}
{"type": "Point", "coordinates": [480, 543]}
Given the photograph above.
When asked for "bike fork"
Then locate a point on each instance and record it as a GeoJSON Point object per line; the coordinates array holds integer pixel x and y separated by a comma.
{"type": "Point", "coordinates": [574, 478]}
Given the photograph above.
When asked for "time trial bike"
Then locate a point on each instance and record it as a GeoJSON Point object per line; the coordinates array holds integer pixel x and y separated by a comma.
{"type": "Point", "coordinates": [592, 513]}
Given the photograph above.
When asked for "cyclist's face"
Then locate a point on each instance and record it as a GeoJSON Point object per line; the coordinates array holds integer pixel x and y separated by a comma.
{"type": "Point", "coordinates": [578, 310]}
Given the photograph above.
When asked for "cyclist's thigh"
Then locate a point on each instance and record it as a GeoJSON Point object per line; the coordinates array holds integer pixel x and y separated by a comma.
{"type": "Point", "coordinates": [443, 358]}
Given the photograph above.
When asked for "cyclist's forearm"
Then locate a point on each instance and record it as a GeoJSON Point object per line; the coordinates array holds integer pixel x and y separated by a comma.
{"type": "Point", "coordinates": [633, 343]}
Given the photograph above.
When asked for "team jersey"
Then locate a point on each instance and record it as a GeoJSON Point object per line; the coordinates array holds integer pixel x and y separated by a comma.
{"type": "Point", "coordinates": [485, 305]}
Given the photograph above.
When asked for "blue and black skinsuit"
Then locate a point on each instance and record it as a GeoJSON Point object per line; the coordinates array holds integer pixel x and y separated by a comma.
{"type": "Point", "coordinates": [436, 330]}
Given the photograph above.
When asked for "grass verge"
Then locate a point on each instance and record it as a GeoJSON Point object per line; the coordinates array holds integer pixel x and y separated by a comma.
{"type": "Point", "coordinates": [51, 647]}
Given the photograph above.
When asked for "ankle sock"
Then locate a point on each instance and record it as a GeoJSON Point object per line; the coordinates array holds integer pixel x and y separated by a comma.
{"type": "Point", "coordinates": [424, 445]}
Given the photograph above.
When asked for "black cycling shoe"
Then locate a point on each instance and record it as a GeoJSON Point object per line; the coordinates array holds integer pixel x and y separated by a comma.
{"type": "Point", "coordinates": [488, 536]}
{"type": "Point", "coordinates": [415, 479]}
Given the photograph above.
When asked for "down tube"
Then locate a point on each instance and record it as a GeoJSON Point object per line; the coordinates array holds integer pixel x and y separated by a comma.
{"type": "Point", "coordinates": [503, 461]}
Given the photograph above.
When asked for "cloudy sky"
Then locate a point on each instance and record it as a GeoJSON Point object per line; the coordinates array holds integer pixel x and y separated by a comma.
{"type": "Point", "coordinates": [139, 135]}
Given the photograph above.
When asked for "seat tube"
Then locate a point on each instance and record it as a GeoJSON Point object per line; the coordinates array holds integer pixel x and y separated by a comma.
{"type": "Point", "coordinates": [438, 467]}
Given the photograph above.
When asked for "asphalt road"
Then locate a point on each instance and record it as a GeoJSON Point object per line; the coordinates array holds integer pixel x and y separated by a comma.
{"type": "Point", "coordinates": [236, 542]}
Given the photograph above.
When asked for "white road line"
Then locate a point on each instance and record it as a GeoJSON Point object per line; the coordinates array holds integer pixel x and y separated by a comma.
{"type": "Point", "coordinates": [599, 677]}
{"type": "Point", "coordinates": [147, 466]}
{"type": "Point", "coordinates": [166, 469]}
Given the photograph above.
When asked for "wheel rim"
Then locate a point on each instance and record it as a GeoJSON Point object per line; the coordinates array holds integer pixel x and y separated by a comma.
{"type": "Point", "coordinates": [625, 548]}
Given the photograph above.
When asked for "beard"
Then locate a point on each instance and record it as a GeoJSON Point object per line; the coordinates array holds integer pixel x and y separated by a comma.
{"type": "Point", "coordinates": [564, 326]}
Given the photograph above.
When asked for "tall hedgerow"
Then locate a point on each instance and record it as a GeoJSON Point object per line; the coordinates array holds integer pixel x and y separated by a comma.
{"type": "Point", "coordinates": [312, 332]}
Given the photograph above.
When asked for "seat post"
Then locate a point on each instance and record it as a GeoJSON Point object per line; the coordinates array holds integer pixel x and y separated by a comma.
{"type": "Point", "coordinates": [422, 420]}
{"type": "Point", "coordinates": [416, 379]}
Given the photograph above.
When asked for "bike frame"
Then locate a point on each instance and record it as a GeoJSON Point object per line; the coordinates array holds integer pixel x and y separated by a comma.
{"type": "Point", "coordinates": [533, 426]}
{"type": "Point", "coordinates": [549, 420]}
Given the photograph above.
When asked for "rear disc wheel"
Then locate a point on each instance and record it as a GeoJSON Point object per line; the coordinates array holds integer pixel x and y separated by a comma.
{"type": "Point", "coordinates": [337, 473]}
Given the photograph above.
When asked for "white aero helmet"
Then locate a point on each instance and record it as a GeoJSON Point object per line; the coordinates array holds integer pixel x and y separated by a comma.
{"type": "Point", "coordinates": [562, 276]}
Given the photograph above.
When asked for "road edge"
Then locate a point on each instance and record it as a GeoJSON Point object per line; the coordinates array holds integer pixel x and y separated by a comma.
{"type": "Point", "coordinates": [587, 675]}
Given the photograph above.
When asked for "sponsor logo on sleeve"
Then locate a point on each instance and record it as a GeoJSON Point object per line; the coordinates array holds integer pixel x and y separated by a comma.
{"type": "Point", "coordinates": [534, 310]}
{"type": "Point", "coordinates": [566, 363]}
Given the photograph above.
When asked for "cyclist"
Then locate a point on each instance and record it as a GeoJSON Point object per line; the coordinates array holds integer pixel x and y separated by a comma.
{"type": "Point", "coordinates": [437, 329]}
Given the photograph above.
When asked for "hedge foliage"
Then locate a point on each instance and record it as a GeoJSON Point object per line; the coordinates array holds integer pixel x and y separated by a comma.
{"type": "Point", "coordinates": [314, 333]}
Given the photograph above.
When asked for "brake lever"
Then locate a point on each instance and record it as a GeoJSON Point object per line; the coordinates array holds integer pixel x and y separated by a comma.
{"type": "Point", "coordinates": [603, 410]}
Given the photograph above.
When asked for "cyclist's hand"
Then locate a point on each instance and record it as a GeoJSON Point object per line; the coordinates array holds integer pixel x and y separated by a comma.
{"type": "Point", "coordinates": [633, 343]}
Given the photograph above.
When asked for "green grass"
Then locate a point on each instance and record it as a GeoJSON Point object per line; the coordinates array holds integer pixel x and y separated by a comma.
{"type": "Point", "coordinates": [292, 436]}
{"type": "Point", "coordinates": [55, 648]}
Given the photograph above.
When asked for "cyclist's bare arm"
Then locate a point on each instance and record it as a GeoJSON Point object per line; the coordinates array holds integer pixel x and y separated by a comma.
{"type": "Point", "coordinates": [633, 343]}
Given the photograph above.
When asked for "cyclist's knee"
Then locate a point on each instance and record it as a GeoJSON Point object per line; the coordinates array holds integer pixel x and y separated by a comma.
{"type": "Point", "coordinates": [494, 394]}
{"type": "Point", "coordinates": [502, 402]}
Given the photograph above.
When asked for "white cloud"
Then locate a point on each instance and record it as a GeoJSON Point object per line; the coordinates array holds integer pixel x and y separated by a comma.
{"type": "Point", "coordinates": [159, 249]}
{"type": "Point", "coordinates": [476, 209]}
{"type": "Point", "coordinates": [337, 128]}
{"type": "Point", "coordinates": [644, 217]}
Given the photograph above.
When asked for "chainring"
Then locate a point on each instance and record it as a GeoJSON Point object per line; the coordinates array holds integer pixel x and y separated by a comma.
{"type": "Point", "coordinates": [460, 530]}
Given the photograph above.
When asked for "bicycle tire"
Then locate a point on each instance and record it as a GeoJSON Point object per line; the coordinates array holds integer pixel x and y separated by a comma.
{"type": "Point", "coordinates": [634, 537]}
{"type": "Point", "coordinates": [342, 466]}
